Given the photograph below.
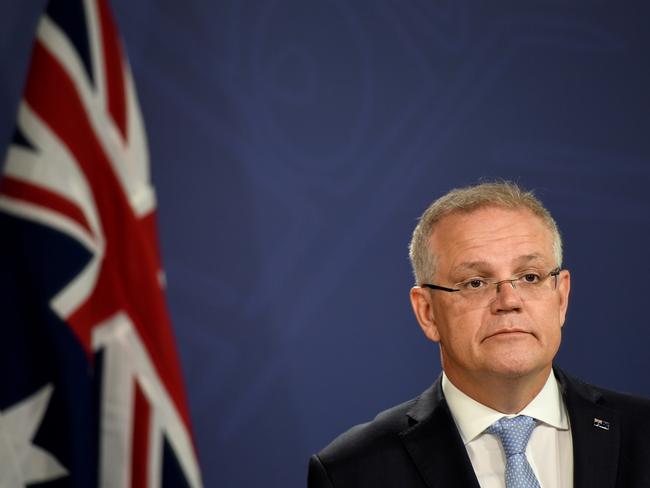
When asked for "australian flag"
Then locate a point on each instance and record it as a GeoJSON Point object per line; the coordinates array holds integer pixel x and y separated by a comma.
{"type": "Point", "coordinates": [91, 391]}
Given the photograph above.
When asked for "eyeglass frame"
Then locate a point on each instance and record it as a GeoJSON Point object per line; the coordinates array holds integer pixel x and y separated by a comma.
{"type": "Point", "coordinates": [554, 272]}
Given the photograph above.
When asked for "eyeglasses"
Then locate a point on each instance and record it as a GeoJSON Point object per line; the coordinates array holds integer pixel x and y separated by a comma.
{"type": "Point", "coordinates": [529, 285]}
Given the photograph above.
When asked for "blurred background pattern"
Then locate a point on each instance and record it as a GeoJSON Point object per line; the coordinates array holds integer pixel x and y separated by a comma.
{"type": "Point", "coordinates": [293, 145]}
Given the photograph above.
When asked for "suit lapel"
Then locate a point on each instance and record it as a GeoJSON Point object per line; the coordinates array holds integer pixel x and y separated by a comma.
{"type": "Point", "coordinates": [434, 444]}
{"type": "Point", "coordinates": [436, 448]}
{"type": "Point", "coordinates": [595, 432]}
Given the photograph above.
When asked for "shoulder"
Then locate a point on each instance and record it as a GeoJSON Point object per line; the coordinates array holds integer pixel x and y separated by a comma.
{"type": "Point", "coordinates": [592, 406]}
{"type": "Point", "coordinates": [367, 455]}
{"type": "Point", "coordinates": [608, 398]}
{"type": "Point", "coordinates": [374, 454]}
{"type": "Point", "coordinates": [377, 435]}
{"type": "Point", "coordinates": [624, 401]}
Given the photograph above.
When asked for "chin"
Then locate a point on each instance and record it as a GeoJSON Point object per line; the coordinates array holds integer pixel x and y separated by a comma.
{"type": "Point", "coordinates": [517, 367]}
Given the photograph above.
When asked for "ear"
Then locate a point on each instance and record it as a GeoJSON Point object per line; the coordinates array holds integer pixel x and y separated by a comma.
{"type": "Point", "coordinates": [422, 304]}
{"type": "Point", "coordinates": [564, 287]}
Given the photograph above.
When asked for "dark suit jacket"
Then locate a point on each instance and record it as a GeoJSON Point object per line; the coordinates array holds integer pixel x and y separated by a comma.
{"type": "Point", "coordinates": [417, 445]}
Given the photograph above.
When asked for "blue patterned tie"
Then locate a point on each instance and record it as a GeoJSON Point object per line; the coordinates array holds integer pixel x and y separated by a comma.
{"type": "Point", "coordinates": [514, 434]}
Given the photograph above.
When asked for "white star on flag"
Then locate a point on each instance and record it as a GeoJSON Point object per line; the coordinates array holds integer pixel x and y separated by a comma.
{"type": "Point", "coordinates": [23, 462]}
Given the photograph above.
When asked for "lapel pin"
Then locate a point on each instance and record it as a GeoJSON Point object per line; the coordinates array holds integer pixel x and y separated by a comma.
{"type": "Point", "coordinates": [601, 424]}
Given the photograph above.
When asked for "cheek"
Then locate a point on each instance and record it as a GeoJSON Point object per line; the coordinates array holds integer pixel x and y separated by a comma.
{"type": "Point", "coordinates": [550, 329]}
{"type": "Point", "coordinates": [549, 314]}
{"type": "Point", "coordinates": [461, 327]}
{"type": "Point", "coordinates": [557, 334]}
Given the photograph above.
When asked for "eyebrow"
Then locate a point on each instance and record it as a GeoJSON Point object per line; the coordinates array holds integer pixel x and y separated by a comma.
{"type": "Point", "coordinates": [471, 266]}
{"type": "Point", "coordinates": [482, 265]}
{"type": "Point", "coordinates": [528, 258]}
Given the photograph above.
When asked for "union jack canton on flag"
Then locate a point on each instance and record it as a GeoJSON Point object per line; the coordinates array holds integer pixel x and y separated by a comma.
{"type": "Point", "coordinates": [91, 391]}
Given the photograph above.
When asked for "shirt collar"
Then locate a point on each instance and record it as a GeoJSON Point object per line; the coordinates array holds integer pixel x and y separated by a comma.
{"type": "Point", "coordinates": [472, 417]}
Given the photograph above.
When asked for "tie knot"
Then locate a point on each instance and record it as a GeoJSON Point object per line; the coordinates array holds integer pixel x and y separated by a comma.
{"type": "Point", "coordinates": [514, 433]}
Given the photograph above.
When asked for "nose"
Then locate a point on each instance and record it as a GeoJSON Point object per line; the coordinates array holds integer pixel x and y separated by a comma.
{"type": "Point", "coordinates": [507, 298]}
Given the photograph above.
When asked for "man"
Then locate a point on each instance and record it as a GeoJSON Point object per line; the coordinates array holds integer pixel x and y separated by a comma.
{"type": "Point", "coordinates": [491, 291]}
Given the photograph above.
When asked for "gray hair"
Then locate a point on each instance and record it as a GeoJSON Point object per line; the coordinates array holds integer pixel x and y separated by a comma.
{"type": "Point", "coordinates": [504, 194]}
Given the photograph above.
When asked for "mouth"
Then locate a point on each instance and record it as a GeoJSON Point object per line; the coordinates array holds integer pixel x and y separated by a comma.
{"type": "Point", "coordinates": [508, 333]}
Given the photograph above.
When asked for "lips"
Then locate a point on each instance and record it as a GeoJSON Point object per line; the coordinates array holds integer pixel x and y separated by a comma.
{"type": "Point", "coordinates": [508, 332]}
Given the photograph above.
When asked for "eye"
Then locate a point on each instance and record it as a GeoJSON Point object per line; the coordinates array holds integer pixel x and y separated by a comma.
{"type": "Point", "coordinates": [530, 278]}
{"type": "Point", "coordinates": [473, 284]}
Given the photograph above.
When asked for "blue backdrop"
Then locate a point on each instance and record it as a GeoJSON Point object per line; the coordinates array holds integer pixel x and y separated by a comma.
{"type": "Point", "coordinates": [294, 143]}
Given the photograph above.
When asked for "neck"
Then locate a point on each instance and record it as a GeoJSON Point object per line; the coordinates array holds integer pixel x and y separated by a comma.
{"type": "Point", "coordinates": [505, 394]}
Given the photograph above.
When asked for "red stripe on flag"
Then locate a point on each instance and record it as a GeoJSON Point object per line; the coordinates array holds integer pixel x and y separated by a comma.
{"type": "Point", "coordinates": [42, 197]}
{"type": "Point", "coordinates": [128, 278]}
{"type": "Point", "coordinates": [113, 68]}
{"type": "Point", "coordinates": [52, 95]}
{"type": "Point", "coordinates": [140, 439]}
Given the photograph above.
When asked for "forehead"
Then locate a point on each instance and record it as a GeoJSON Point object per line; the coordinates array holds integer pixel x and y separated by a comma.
{"type": "Point", "coordinates": [492, 235]}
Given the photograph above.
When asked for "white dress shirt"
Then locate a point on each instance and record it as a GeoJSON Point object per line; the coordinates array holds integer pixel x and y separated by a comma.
{"type": "Point", "coordinates": [549, 450]}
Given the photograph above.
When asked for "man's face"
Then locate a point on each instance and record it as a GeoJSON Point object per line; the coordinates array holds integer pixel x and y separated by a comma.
{"type": "Point", "coordinates": [504, 336]}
